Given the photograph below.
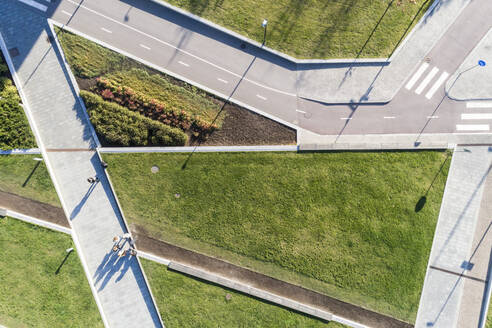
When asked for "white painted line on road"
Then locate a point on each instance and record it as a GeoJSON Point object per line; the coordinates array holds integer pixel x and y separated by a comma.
{"type": "Point", "coordinates": [183, 63]}
{"type": "Point", "coordinates": [144, 46]}
{"type": "Point", "coordinates": [432, 117]}
{"type": "Point", "coordinates": [345, 118]}
{"type": "Point", "coordinates": [426, 80]}
{"type": "Point", "coordinates": [300, 111]}
{"type": "Point", "coordinates": [78, 5]}
{"type": "Point", "coordinates": [106, 30]}
{"type": "Point", "coordinates": [477, 116]}
{"type": "Point", "coordinates": [436, 85]}
{"type": "Point", "coordinates": [389, 117]}
{"type": "Point", "coordinates": [66, 13]}
{"type": "Point", "coordinates": [416, 76]}
{"type": "Point", "coordinates": [479, 104]}
{"type": "Point", "coordinates": [34, 4]}
{"type": "Point", "coordinates": [222, 80]}
{"type": "Point", "coordinates": [261, 97]}
{"type": "Point", "coordinates": [472, 127]}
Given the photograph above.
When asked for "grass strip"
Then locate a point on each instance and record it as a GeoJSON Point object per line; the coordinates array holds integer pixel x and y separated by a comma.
{"type": "Point", "coordinates": [316, 28]}
{"type": "Point", "coordinates": [32, 294]}
{"type": "Point", "coordinates": [344, 224]}
{"type": "Point", "coordinates": [21, 175]}
{"type": "Point", "coordinates": [187, 302]}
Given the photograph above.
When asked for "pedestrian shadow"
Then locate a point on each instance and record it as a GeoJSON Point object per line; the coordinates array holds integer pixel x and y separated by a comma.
{"type": "Point", "coordinates": [109, 266]}
{"type": "Point", "coordinates": [79, 206]}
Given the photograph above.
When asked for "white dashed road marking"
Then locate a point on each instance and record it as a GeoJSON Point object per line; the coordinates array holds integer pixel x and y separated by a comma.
{"type": "Point", "coordinates": [66, 13]}
{"type": "Point", "coordinates": [345, 118]}
{"type": "Point", "coordinates": [144, 46]}
{"type": "Point", "coordinates": [106, 30]}
{"type": "Point", "coordinates": [389, 117]}
{"type": "Point", "coordinates": [472, 127]}
{"type": "Point", "coordinates": [479, 104]}
{"type": "Point", "coordinates": [431, 117]}
{"type": "Point", "coordinates": [416, 76]}
{"type": "Point", "coordinates": [184, 64]}
{"type": "Point", "coordinates": [34, 4]}
{"type": "Point", "coordinates": [436, 85]}
{"type": "Point", "coordinates": [261, 97]}
{"type": "Point", "coordinates": [300, 111]}
{"type": "Point", "coordinates": [222, 80]}
{"type": "Point", "coordinates": [426, 80]}
{"type": "Point", "coordinates": [477, 116]}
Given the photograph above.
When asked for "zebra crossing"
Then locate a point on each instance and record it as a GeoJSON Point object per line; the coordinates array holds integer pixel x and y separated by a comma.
{"type": "Point", "coordinates": [39, 4]}
{"type": "Point", "coordinates": [426, 79]}
{"type": "Point", "coordinates": [476, 111]}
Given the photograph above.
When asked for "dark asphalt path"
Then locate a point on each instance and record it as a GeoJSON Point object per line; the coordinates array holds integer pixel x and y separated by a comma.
{"type": "Point", "coordinates": [251, 76]}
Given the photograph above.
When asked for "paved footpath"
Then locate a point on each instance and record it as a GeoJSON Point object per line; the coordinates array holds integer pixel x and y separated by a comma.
{"type": "Point", "coordinates": [454, 289]}
{"type": "Point", "coordinates": [65, 138]}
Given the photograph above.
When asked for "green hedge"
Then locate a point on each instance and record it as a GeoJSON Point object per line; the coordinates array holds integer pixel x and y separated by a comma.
{"type": "Point", "coordinates": [120, 126]}
{"type": "Point", "coordinates": [14, 127]}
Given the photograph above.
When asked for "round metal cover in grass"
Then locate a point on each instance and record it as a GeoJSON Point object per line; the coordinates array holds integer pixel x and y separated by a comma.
{"type": "Point", "coordinates": [154, 169]}
{"type": "Point", "coordinates": [177, 195]}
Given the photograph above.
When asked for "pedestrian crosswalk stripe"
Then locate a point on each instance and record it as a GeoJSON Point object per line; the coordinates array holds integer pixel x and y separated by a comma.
{"type": "Point", "coordinates": [477, 116]}
{"type": "Point", "coordinates": [472, 127]}
{"type": "Point", "coordinates": [416, 76]}
{"type": "Point", "coordinates": [479, 104]}
{"type": "Point", "coordinates": [436, 85]}
{"type": "Point", "coordinates": [426, 80]}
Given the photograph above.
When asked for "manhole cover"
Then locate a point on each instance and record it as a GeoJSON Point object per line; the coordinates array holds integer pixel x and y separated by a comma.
{"type": "Point", "coordinates": [154, 169]}
{"type": "Point", "coordinates": [308, 115]}
{"type": "Point", "coordinates": [228, 297]}
{"type": "Point", "coordinates": [14, 52]}
{"type": "Point", "coordinates": [427, 59]}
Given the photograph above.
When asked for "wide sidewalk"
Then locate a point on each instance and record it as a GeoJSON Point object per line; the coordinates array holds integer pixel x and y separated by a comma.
{"type": "Point", "coordinates": [67, 144]}
{"type": "Point", "coordinates": [457, 275]}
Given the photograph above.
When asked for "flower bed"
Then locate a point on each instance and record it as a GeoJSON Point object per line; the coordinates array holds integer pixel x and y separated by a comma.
{"type": "Point", "coordinates": [153, 109]}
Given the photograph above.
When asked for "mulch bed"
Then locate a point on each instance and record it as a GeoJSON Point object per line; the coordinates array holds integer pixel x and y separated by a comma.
{"type": "Point", "coordinates": [241, 127]}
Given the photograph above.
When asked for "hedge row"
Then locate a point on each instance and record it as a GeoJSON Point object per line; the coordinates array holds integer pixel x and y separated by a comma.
{"type": "Point", "coordinates": [109, 90]}
{"type": "Point", "coordinates": [120, 126]}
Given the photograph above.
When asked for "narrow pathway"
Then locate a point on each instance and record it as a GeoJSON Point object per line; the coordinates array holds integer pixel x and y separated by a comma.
{"type": "Point", "coordinates": [456, 277]}
{"type": "Point", "coordinates": [67, 144]}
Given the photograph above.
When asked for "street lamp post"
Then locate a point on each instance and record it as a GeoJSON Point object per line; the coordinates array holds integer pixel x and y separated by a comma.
{"type": "Point", "coordinates": [264, 25]}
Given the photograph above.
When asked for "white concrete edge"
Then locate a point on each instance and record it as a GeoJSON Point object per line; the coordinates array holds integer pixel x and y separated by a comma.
{"type": "Point", "coordinates": [177, 76]}
{"type": "Point", "coordinates": [42, 223]}
{"type": "Point", "coordinates": [450, 82]}
{"type": "Point", "coordinates": [486, 304]}
{"type": "Point", "coordinates": [34, 151]}
{"type": "Point", "coordinates": [347, 322]}
{"type": "Point", "coordinates": [153, 258]}
{"type": "Point", "coordinates": [30, 118]}
{"type": "Point", "coordinates": [74, 83]}
{"type": "Point", "coordinates": [434, 239]}
{"type": "Point", "coordinates": [147, 284]}
{"type": "Point", "coordinates": [199, 149]}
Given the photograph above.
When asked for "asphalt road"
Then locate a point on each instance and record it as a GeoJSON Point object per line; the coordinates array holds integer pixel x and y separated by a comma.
{"type": "Point", "coordinates": [267, 82]}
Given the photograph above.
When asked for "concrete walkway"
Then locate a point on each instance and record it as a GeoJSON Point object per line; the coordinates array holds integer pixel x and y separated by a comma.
{"type": "Point", "coordinates": [456, 278]}
{"type": "Point", "coordinates": [66, 141]}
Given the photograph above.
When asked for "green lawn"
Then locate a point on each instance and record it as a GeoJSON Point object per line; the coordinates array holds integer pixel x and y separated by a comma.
{"type": "Point", "coordinates": [187, 302]}
{"type": "Point", "coordinates": [14, 127]}
{"type": "Point", "coordinates": [14, 178]}
{"type": "Point", "coordinates": [316, 28]}
{"type": "Point", "coordinates": [32, 295]}
{"type": "Point", "coordinates": [340, 223]}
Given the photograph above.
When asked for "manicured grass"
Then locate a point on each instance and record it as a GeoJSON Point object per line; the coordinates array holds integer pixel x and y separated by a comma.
{"type": "Point", "coordinates": [341, 223]}
{"type": "Point", "coordinates": [316, 28]}
{"type": "Point", "coordinates": [14, 127]}
{"type": "Point", "coordinates": [89, 60]}
{"type": "Point", "coordinates": [32, 295]}
{"type": "Point", "coordinates": [187, 302]}
{"type": "Point", "coordinates": [16, 178]}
